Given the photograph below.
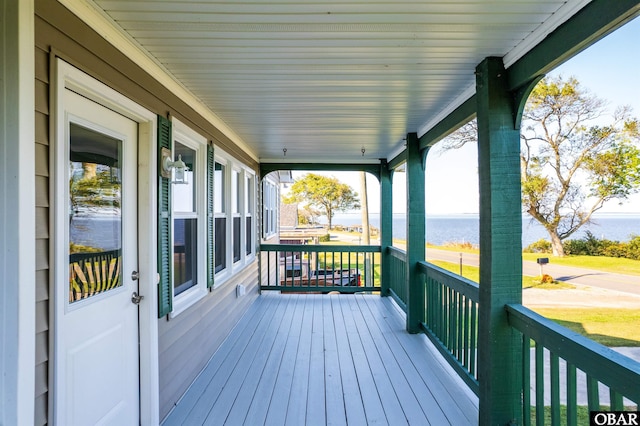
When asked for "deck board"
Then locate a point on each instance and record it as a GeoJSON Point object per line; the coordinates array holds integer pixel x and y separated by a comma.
{"type": "Point", "coordinates": [371, 402]}
{"type": "Point", "coordinates": [332, 359]}
{"type": "Point", "coordinates": [437, 376]}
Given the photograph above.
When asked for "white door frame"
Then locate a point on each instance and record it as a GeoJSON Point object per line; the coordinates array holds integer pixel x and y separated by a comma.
{"type": "Point", "coordinates": [68, 77]}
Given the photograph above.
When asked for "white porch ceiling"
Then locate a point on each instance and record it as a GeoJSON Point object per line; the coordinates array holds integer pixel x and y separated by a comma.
{"type": "Point", "coordinates": [325, 79]}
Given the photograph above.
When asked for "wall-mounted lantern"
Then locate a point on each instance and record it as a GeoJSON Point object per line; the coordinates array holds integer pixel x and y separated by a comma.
{"type": "Point", "coordinates": [178, 166]}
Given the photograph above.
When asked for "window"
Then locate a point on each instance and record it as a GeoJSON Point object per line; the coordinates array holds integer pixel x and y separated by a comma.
{"type": "Point", "coordinates": [234, 211]}
{"type": "Point", "coordinates": [220, 217]}
{"type": "Point", "coordinates": [188, 234]}
{"type": "Point", "coordinates": [185, 225]}
{"type": "Point", "coordinates": [249, 197]}
{"type": "Point", "coordinates": [270, 203]}
{"type": "Point", "coordinates": [237, 229]}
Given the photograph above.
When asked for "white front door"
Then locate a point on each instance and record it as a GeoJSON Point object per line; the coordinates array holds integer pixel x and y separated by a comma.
{"type": "Point", "coordinates": [96, 374]}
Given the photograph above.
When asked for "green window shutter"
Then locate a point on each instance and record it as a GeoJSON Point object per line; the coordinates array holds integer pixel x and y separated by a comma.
{"type": "Point", "coordinates": [210, 219]}
{"type": "Point", "coordinates": [165, 267]}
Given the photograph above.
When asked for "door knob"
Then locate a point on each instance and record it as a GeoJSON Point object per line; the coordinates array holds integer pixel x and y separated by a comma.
{"type": "Point", "coordinates": [135, 275]}
{"type": "Point", "coordinates": [136, 298]}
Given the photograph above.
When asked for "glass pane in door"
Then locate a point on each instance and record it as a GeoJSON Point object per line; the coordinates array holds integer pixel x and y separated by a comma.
{"type": "Point", "coordinates": [95, 215]}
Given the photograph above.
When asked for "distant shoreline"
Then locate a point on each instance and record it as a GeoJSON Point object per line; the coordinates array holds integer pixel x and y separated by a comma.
{"type": "Point", "coordinates": [465, 228]}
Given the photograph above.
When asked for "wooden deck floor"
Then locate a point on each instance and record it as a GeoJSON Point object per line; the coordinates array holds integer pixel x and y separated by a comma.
{"type": "Point", "coordinates": [333, 359]}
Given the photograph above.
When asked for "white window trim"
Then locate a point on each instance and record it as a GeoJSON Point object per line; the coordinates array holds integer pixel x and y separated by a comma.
{"type": "Point", "coordinates": [270, 197]}
{"type": "Point", "coordinates": [186, 136]}
{"type": "Point", "coordinates": [249, 211]}
{"type": "Point", "coordinates": [237, 209]}
{"type": "Point", "coordinates": [233, 165]}
{"type": "Point", "coordinates": [223, 274]}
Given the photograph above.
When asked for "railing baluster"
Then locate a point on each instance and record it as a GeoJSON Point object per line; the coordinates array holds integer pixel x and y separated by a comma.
{"type": "Point", "coordinates": [465, 335]}
{"type": "Point", "coordinates": [454, 323]}
{"type": "Point", "coordinates": [446, 330]}
{"type": "Point", "coordinates": [460, 325]}
{"type": "Point", "coordinates": [474, 340]}
{"type": "Point", "coordinates": [593, 396]}
{"type": "Point", "coordinates": [526, 380]}
{"type": "Point", "coordinates": [615, 399]}
{"type": "Point", "coordinates": [442, 317]}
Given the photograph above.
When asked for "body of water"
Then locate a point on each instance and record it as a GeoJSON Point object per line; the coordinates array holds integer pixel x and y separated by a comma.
{"type": "Point", "coordinates": [466, 228]}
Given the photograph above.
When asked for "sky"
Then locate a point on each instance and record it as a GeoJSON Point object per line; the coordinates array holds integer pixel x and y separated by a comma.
{"type": "Point", "coordinates": [610, 69]}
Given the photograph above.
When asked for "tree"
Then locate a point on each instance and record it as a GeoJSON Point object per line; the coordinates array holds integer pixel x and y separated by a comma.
{"type": "Point", "coordinates": [326, 193]}
{"type": "Point", "coordinates": [571, 163]}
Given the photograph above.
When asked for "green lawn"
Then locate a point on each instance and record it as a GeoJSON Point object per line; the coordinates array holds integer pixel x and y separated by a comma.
{"type": "Point", "coordinates": [600, 263]}
{"type": "Point", "coordinates": [607, 326]}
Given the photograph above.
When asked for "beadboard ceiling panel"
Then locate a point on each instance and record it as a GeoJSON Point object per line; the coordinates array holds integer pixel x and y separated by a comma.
{"type": "Point", "coordinates": [325, 79]}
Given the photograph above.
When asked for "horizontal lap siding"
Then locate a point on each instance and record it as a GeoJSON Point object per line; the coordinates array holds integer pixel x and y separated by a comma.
{"type": "Point", "coordinates": [42, 235]}
{"type": "Point", "coordinates": [186, 342]}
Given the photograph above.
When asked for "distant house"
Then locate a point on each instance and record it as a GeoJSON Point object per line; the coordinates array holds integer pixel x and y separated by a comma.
{"type": "Point", "coordinates": [288, 216]}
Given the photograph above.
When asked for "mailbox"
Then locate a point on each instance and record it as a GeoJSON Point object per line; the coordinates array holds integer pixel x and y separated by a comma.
{"type": "Point", "coordinates": [543, 260]}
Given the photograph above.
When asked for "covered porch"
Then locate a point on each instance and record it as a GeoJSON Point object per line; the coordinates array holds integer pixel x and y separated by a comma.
{"type": "Point", "coordinates": [326, 359]}
{"type": "Point", "coordinates": [353, 86]}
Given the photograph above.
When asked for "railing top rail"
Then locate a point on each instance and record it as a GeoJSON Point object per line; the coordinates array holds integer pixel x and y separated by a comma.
{"type": "Point", "coordinates": [77, 257]}
{"type": "Point", "coordinates": [602, 363]}
{"type": "Point", "coordinates": [460, 284]}
{"type": "Point", "coordinates": [397, 253]}
{"type": "Point", "coordinates": [320, 248]}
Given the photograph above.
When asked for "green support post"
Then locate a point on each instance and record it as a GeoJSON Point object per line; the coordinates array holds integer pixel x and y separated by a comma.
{"type": "Point", "coordinates": [415, 233]}
{"type": "Point", "coordinates": [499, 346]}
{"type": "Point", "coordinates": [386, 225]}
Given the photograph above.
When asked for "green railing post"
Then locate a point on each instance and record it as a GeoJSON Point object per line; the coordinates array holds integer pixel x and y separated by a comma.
{"type": "Point", "coordinates": [415, 233]}
{"type": "Point", "coordinates": [500, 347]}
{"type": "Point", "coordinates": [386, 226]}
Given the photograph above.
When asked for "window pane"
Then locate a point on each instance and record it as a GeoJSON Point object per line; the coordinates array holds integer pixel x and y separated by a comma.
{"type": "Point", "coordinates": [219, 188]}
{"type": "Point", "coordinates": [95, 218]}
{"type": "Point", "coordinates": [236, 239]}
{"type": "Point", "coordinates": [185, 258]}
{"type": "Point", "coordinates": [184, 195]}
{"type": "Point", "coordinates": [249, 236]}
{"type": "Point", "coordinates": [248, 195]}
{"type": "Point", "coordinates": [221, 243]}
{"type": "Point", "coordinates": [235, 190]}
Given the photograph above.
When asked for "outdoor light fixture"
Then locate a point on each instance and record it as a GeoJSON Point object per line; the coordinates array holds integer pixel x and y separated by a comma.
{"type": "Point", "coordinates": [179, 168]}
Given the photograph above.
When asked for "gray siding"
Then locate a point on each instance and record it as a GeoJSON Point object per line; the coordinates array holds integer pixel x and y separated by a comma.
{"type": "Point", "coordinates": [42, 234]}
{"type": "Point", "coordinates": [189, 340]}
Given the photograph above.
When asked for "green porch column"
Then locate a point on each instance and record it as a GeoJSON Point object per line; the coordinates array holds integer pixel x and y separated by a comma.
{"type": "Point", "coordinates": [386, 226]}
{"type": "Point", "coordinates": [499, 350]}
{"type": "Point", "coordinates": [415, 233]}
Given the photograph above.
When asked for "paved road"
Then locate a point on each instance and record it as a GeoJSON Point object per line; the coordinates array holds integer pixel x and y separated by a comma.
{"type": "Point", "coordinates": [581, 276]}
{"type": "Point", "coordinates": [605, 280]}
